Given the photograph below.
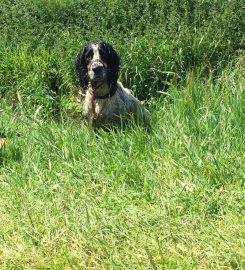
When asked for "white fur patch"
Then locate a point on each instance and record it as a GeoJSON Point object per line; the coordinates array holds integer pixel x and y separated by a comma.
{"type": "Point", "coordinates": [96, 60]}
{"type": "Point", "coordinates": [96, 52]}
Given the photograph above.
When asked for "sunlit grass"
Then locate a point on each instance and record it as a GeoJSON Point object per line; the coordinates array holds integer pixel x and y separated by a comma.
{"type": "Point", "coordinates": [171, 198]}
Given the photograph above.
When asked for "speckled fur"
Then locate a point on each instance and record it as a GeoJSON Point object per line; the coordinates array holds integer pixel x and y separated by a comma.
{"type": "Point", "coordinates": [114, 110]}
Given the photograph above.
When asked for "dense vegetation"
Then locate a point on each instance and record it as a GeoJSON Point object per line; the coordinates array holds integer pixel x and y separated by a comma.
{"type": "Point", "coordinates": [158, 41]}
{"type": "Point", "coordinates": [172, 198]}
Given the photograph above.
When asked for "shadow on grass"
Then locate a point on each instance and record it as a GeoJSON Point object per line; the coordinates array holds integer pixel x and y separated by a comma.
{"type": "Point", "coordinates": [9, 153]}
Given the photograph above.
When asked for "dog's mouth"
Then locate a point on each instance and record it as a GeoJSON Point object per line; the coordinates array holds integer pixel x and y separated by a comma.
{"type": "Point", "coordinates": [96, 84]}
{"type": "Point", "coordinates": [96, 79]}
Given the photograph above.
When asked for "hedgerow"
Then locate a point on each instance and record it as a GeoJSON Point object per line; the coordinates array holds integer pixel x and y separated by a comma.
{"type": "Point", "coordinates": [159, 43]}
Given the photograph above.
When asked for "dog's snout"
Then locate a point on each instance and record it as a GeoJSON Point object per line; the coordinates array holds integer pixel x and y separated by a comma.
{"type": "Point", "coordinates": [97, 67]}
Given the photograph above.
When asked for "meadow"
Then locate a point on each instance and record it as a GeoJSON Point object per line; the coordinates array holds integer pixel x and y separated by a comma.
{"type": "Point", "coordinates": [170, 198]}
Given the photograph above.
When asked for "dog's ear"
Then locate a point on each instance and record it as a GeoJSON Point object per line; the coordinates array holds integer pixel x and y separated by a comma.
{"type": "Point", "coordinates": [81, 68]}
{"type": "Point", "coordinates": [113, 66]}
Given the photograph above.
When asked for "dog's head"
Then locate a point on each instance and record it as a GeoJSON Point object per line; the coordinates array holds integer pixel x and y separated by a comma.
{"type": "Point", "coordinates": [97, 62]}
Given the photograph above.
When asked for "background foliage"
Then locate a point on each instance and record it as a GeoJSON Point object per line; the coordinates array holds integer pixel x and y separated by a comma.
{"type": "Point", "coordinates": [159, 43]}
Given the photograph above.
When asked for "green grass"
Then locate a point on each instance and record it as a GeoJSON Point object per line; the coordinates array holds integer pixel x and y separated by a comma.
{"type": "Point", "coordinates": [170, 198]}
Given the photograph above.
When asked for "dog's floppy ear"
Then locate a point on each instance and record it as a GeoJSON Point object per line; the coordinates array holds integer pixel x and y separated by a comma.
{"type": "Point", "coordinates": [113, 66]}
{"type": "Point", "coordinates": [81, 68]}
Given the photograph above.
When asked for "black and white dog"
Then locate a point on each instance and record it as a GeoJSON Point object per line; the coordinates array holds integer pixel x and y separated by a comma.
{"type": "Point", "coordinates": [106, 100]}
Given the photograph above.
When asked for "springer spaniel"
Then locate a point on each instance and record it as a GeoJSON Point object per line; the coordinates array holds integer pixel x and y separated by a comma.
{"type": "Point", "coordinates": [106, 100]}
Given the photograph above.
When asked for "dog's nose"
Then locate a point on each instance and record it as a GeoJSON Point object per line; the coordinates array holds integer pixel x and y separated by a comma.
{"type": "Point", "coordinates": [97, 67]}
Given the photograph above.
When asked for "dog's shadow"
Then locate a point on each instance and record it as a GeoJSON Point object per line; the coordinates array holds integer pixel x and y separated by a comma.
{"type": "Point", "coordinates": [125, 124]}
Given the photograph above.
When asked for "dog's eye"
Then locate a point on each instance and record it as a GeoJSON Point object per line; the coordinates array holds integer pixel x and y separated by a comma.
{"type": "Point", "coordinates": [102, 54]}
{"type": "Point", "coordinates": [89, 55]}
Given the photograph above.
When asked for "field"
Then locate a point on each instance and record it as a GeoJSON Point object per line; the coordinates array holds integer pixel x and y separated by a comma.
{"type": "Point", "coordinates": [170, 198]}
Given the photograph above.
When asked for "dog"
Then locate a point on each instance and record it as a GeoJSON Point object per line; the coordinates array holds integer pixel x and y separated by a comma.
{"type": "Point", "coordinates": [107, 101]}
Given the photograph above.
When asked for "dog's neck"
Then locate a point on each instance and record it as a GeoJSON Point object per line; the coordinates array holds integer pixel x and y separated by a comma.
{"type": "Point", "coordinates": [98, 89]}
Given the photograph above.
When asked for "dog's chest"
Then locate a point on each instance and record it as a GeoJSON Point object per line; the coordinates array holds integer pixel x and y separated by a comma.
{"type": "Point", "coordinates": [105, 109]}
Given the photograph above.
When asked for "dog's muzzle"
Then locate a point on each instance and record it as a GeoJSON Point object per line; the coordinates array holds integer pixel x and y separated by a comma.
{"type": "Point", "coordinates": [96, 70]}
{"type": "Point", "coordinates": [96, 66]}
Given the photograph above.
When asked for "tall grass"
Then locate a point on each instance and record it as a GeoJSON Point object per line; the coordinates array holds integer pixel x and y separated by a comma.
{"type": "Point", "coordinates": [170, 198]}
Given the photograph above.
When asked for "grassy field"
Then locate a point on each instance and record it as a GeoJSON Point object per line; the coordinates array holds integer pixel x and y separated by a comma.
{"type": "Point", "coordinates": [170, 198]}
